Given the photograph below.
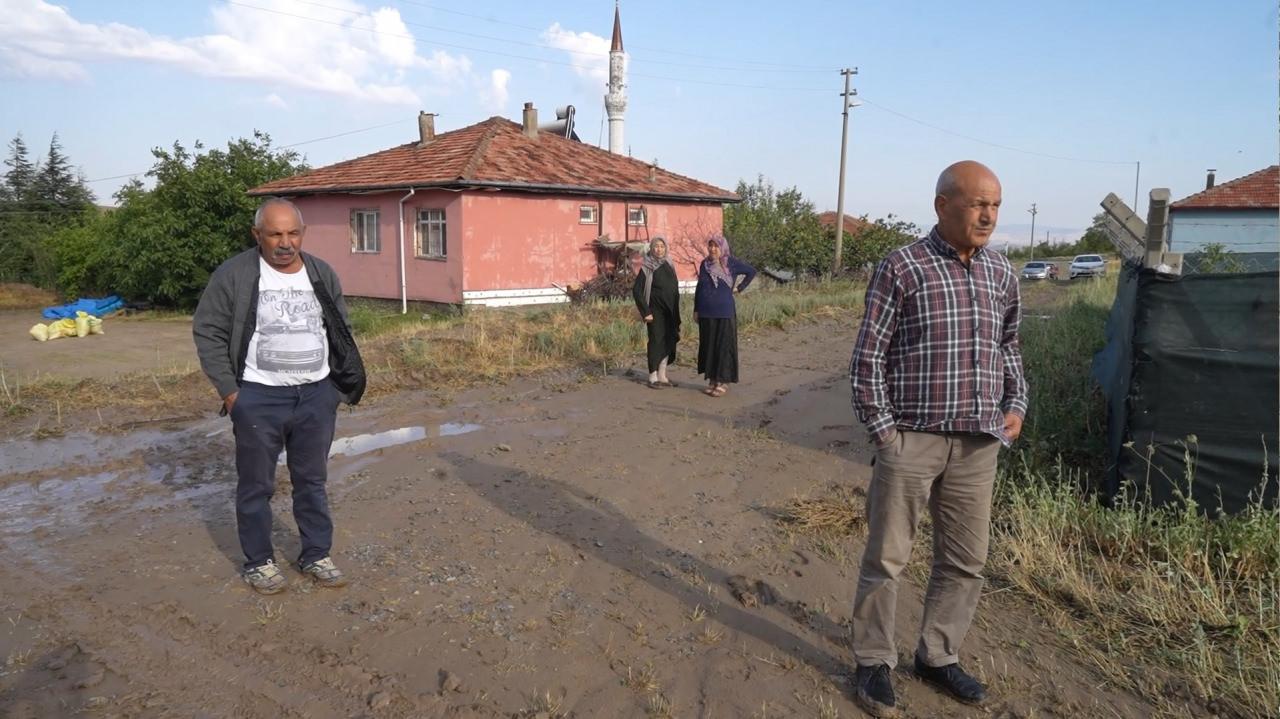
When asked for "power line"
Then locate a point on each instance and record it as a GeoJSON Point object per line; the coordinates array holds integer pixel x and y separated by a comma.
{"type": "Point", "coordinates": [525, 57]}
{"type": "Point", "coordinates": [281, 147]}
{"type": "Point", "coordinates": [993, 144]}
{"type": "Point", "coordinates": [362, 13]}
{"type": "Point", "coordinates": [806, 68]}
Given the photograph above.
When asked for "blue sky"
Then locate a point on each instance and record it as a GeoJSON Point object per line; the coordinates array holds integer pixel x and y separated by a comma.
{"type": "Point", "coordinates": [718, 90]}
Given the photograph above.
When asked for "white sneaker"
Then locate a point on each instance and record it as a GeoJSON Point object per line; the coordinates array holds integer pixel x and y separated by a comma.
{"type": "Point", "coordinates": [266, 579]}
{"type": "Point", "coordinates": [325, 573]}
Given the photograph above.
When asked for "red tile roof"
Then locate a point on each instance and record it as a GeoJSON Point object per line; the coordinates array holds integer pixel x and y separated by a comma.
{"type": "Point", "coordinates": [852, 225]}
{"type": "Point", "coordinates": [497, 153]}
{"type": "Point", "coordinates": [1260, 190]}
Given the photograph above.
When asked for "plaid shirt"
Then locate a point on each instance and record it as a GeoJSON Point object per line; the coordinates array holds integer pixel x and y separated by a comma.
{"type": "Point", "coordinates": [938, 349]}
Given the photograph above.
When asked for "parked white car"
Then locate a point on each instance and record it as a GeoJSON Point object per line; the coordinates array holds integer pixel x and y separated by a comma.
{"type": "Point", "coordinates": [1088, 266]}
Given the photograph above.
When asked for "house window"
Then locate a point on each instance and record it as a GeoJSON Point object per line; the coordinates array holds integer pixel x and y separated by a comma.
{"type": "Point", "coordinates": [431, 235]}
{"type": "Point", "coordinates": [364, 231]}
{"type": "Point", "coordinates": [587, 215]}
{"type": "Point", "coordinates": [635, 216]}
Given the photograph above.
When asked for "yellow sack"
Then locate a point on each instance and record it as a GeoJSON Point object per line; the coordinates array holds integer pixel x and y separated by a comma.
{"type": "Point", "coordinates": [65, 327]}
{"type": "Point", "coordinates": [95, 326]}
{"type": "Point", "coordinates": [82, 323]}
{"type": "Point", "coordinates": [40, 333]}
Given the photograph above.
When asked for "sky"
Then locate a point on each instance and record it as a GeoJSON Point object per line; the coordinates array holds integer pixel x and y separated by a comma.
{"type": "Point", "coordinates": [1060, 99]}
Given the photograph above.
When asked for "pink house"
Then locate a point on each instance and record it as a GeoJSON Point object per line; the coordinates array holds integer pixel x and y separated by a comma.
{"type": "Point", "coordinates": [495, 213]}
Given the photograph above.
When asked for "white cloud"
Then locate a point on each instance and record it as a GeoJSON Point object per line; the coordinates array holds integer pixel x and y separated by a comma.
{"type": "Point", "coordinates": [495, 96]}
{"type": "Point", "coordinates": [588, 52]}
{"type": "Point", "coordinates": [275, 100]}
{"type": "Point", "coordinates": [341, 49]}
{"type": "Point", "coordinates": [21, 65]}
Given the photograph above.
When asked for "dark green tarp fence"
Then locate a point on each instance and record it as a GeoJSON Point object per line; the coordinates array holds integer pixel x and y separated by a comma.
{"type": "Point", "coordinates": [1193, 356]}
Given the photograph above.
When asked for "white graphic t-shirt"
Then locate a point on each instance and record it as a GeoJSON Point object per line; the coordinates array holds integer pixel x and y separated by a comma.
{"type": "Point", "coordinates": [289, 345]}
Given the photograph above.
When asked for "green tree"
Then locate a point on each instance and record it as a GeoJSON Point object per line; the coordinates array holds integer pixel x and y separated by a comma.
{"type": "Point", "coordinates": [1096, 239]}
{"type": "Point", "coordinates": [777, 229]}
{"type": "Point", "coordinates": [20, 175]}
{"type": "Point", "coordinates": [57, 186]}
{"type": "Point", "coordinates": [37, 201]}
{"type": "Point", "coordinates": [875, 240]}
{"type": "Point", "coordinates": [162, 244]}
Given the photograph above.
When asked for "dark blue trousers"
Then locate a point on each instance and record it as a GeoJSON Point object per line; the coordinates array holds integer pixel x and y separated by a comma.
{"type": "Point", "coordinates": [300, 420]}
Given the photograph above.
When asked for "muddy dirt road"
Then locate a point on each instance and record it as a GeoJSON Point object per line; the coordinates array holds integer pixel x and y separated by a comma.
{"type": "Point", "coordinates": [558, 547]}
{"type": "Point", "coordinates": [128, 345]}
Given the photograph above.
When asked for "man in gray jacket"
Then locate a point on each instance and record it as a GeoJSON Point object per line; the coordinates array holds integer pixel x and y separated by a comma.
{"type": "Point", "coordinates": [273, 337]}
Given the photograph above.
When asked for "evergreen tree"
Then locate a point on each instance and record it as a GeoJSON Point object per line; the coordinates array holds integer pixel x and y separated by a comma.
{"type": "Point", "coordinates": [57, 185]}
{"type": "Point", "coordinates": [21, 173]}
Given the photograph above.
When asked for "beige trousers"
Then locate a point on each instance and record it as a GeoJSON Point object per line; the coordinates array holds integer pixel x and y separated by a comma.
{"type": "Point", "coordinates": [953, 474]}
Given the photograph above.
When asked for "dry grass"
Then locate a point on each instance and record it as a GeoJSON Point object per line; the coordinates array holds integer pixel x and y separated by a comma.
{"type": "Point", "coordinates": [658, 707]}
{"type": "Point", "coordinates": [643, 680]}
{"type": "Point", "coordinates": [446, 350]}
{"type": "Point", "coordinates": [544, 704]}
{"type": "Point", "coordinates": [842, 511]}
{"type": "Point", "coordinates": [825, 524]}
{"type": "Point", "coordinates": [18, 296]}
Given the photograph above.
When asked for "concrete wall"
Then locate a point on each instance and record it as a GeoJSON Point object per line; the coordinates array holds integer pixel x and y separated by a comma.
{"type": "Point", "coordinates": [521, 249]}
{"type": "Point", "coordinates": [328, 219]}
{"type": "Point", "coordinates": [1238, 230]}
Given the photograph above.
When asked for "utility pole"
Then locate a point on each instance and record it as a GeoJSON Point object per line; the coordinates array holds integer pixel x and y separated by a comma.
{"type": "Point", "coordinates": [1033, 230]}
{"type": "Point", "coordinates": [848, 99]}
{"type": "Point", "coordinates": [1137, 172]}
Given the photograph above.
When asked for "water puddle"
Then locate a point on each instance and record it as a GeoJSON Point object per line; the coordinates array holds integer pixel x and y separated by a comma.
{"type": "Point", "coordinates": [365, 443]}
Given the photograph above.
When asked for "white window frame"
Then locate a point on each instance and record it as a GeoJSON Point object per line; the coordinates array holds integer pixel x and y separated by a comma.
{"type": "Point", "coordinates": [643, 219]}
{"type": "Point", "coordinates": [585, 220]}
{"type": "Point", "coordinates": [429, 217]}
{"type": "Point", "coordinates": [362, 220]}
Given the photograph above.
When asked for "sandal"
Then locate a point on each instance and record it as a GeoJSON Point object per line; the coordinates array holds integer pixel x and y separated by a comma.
{"type": "Point", "coordinates": [655, 385]}
{"type": "Point", "coordinates": [710, 391]}
{"type": "Point", "coordinates": [668, 383]}
{"type": "Point", "coordinates": [719, 391]}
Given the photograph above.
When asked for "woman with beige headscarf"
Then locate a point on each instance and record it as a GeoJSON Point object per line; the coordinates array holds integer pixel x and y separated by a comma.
{"type": "Point", "coordinates": [657, 296]}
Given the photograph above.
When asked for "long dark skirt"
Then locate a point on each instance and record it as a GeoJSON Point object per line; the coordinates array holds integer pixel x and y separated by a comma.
{"type": "Point", "coordinates": [664, 335]}
{"type": "Point", "coordinates": [718, 349]}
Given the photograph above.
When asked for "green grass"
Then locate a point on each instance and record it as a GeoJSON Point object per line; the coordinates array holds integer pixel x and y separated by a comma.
{"type": "Point", "coordinates": [1167, 601]}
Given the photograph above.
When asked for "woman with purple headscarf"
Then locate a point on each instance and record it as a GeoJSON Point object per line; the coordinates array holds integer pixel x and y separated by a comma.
{"type": "Point", "coordinates": [717, 315]}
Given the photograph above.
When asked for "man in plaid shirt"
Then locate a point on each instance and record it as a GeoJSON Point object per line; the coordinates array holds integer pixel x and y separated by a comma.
{"type": "Point", "coordinates": [937, 380]}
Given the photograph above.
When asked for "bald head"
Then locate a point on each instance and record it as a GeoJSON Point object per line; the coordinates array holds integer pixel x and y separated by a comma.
{"type": "Point", "coordinates": [967, 201]}
{"type": "Point", "coordinates": [962, 174]}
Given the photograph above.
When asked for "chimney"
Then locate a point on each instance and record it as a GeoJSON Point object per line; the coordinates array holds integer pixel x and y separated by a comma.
{"type": "Point", "coordinates": [530, 121]}
{"type": "Point", "coordinates": [426, 128]}
{"type": "Point", "coordinates": [653, 173]}
{"type": "Point", "coordinates": [1208, 182]}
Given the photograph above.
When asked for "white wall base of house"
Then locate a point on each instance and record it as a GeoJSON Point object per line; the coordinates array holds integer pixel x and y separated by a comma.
{"type": "Point", "coordinates": [537, 296]}
{"type": "Point", "coordinates": [513, 298]}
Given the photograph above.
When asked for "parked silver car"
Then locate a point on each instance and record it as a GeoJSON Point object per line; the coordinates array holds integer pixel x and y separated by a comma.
{"type": "Point", "coordinates": [1088, 266]}
{"type": "Point", "coordinates": [1037, 270]}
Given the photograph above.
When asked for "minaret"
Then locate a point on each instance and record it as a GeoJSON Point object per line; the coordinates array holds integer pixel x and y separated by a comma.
{"type": "Point", "coordinates": [615, 103]}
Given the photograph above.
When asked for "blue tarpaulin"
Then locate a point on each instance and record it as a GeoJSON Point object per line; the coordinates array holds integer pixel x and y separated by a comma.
{"type": "Point", "coordinates": [97, 308]}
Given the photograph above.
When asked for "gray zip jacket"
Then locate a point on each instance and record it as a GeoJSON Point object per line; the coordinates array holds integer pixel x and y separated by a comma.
{"type": "Point", "coordinates": [226, 318]}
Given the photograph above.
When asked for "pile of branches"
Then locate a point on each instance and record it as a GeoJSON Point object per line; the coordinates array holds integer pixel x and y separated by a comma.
{"type": "Point", "coordinates": [610, 283]}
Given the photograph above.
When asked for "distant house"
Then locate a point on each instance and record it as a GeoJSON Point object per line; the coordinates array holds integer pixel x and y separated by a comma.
{"type": "Point", "coordinates": [852, 225]}
{"type": "Point", "coordinates": [1243, 215]}
{"type": "Point", "coordinates": [495, 213]}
